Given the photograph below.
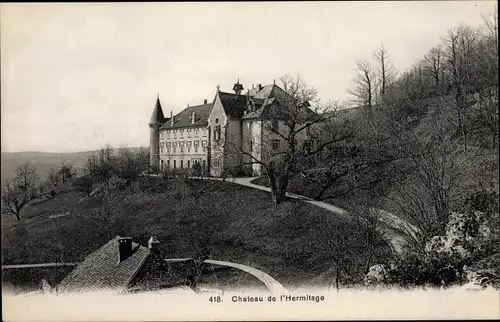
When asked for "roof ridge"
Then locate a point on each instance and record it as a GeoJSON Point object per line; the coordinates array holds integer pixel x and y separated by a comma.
{"type": "Point", "coordinates": [134, 274]}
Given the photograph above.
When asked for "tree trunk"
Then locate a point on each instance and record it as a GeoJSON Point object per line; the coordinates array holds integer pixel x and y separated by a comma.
{"type": "Point", "coordinates": [273, 186]}
{"type": "Point", "coordinates": [337, 277]}
{"type": "Point", "coordinates": [282, 186]}
{"type": "Point", "coordinates": [368, 263]}
{"type": "Point", "coordinates": [18, 216]}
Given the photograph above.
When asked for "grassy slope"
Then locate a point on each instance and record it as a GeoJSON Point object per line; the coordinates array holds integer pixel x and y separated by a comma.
{"type": "Point", "coordinates": [236, 223]}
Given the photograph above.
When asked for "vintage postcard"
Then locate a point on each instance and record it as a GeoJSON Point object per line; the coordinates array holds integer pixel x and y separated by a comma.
{"type": "Point", "coordinates": [250, 161]}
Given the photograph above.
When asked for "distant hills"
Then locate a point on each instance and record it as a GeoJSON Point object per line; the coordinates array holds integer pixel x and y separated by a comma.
{"type": "Point", "coordinates": [44, 161]}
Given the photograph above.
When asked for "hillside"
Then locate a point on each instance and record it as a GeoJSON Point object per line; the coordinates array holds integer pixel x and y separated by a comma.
{"type": "Point", "coordinates": [293, 243]}
{"type": "Point", "coordinates": [43, 161]}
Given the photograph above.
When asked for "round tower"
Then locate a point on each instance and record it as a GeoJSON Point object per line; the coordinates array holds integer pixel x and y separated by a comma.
{"type": "Point", "coordinates": [156, 121]}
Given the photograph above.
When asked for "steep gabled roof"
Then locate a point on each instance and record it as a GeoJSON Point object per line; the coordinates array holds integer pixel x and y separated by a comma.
{"type": "Point", "coordinates": [234, 105]}
{"type": "Point", "coordinates": [275, 105]}
{"type": "Point", "coordinates": [101, 270]}
{"type": "Point", "coordinates": [183, 119]}
{"type": "Point", "coordinates": [157, 116]}
{"type": "Point", "coordinates": [264, 92]}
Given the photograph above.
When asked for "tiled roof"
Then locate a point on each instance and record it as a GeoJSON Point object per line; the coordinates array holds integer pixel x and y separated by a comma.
{"type": "Point", "coordinates": [183, 119]}
{"type": "Point", "coordinates": [101, 270]}
{"type": "Point", "coordinates": [234, 105]}
{"type": "Point", "coordinates": [263, 93]}
{"type": "Point", "coordinates": [157, 273]}
{"type": "Point", "coordinates": [157, 116]}
{"type": "Point", "coordinates": [274, 106]}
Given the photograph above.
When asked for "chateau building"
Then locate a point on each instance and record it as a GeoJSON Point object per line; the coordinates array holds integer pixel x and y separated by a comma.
{"type": "Point", "coordinates": [231, 132]}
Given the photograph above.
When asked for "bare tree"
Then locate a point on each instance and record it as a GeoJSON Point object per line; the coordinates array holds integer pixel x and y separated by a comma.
{"type": "Point", "coordinates": [364, 84]}
{"type": "Point", "coordinates": [66, 172]}
{"type": "Point", "coordinates": [460, 46]}
{"type": "Point", "coordinates": [129, 164]}
{"type": "Point", "coordinates": [434, 66]}
{"type": "Point", "coordinates": [386, 73]}
{"type": "Point", "coordinates": [53, 177]}
{"type": "Point", "coordinates": [104, 206]}
{"type": "Point", "coordinates": [20, 190]}
{"type": "Point", "coordinates": [101, 166]}
{"type": "Point", "coordinates": [290, 139]}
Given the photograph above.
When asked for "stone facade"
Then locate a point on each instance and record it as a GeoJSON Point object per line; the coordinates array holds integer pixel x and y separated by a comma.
{"type": "Point", "coordinates": [183, 147]}
{"type": "Point", "coordinates": [226, 136]}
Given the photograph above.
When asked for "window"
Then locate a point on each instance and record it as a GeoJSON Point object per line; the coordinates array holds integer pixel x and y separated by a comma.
{"type": "Point", "coordinates": [175, 164]}
{"type": "Point", "coordinates": [161, 164]}
{"type": "Point", "coordinates": [168, 164]}
{"type": "Point", "coordinates": [182, 164]}
{"type": "Point", "coordinates": [189, 164]}
{"type": "Point", "coordinates": [203, 164]}
{"type": "Point", "coordinates": [250, 146]}
{"type": "Point", "coordinates": [216, 163]}
{"type": "Point", "coordinates": [276, 144]}
{"type": "Point", "coordinates": [217, 130]}
{"type": "Point", "coordinates": [169, 145]}
{"type": "Point", "coordinates": [188, 144]}
{"type": "Point", "coordinates": [203, 143]}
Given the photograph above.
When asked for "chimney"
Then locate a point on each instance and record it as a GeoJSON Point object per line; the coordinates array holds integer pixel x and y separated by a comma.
{"type": "Point", "coordinates": [153, 244]}
{"type": "Point", "coordinates": [205, 101]}
{"type": "Point", "coordinates": [124, 248]}
{"type": "Point", "coordinates": [193, 117]}
{"type": "Point", "coordinates": [171, 118]}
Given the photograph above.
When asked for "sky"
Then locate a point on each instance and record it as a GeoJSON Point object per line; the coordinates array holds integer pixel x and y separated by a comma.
{"type": "Point", "coordinates": [78, 76]}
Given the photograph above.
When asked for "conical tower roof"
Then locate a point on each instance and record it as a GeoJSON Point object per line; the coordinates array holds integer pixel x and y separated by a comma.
{"type": "Point", "coordinates": [157, 116]}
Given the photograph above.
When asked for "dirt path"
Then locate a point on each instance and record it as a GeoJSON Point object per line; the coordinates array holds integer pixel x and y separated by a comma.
{"type": "Point", "coordinates": [273, 285]}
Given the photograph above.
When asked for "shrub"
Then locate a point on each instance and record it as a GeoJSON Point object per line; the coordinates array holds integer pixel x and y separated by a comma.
{"type": "Point", "coordinates": [196, 170]}
{"type": "Point", "coordinates": [84, 184]}
{"type": "Point", "coordinates": [448, 259]}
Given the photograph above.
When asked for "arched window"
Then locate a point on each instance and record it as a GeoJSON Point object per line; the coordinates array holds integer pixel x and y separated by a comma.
{"type": "Point", "coordinates": [217, 130]}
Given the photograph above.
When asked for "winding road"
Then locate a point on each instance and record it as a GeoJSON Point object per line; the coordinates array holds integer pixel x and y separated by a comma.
{"type": "Point", "coordinates": [272, 285]}
{"type": "Point", "coordinates": [393, 223]}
